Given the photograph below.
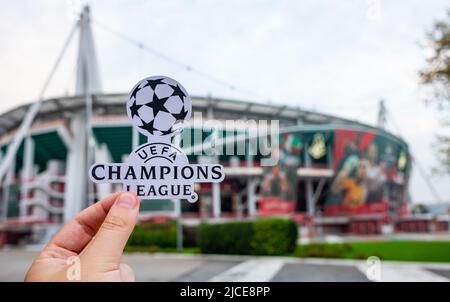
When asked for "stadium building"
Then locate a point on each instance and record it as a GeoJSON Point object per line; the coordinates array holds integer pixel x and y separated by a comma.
{"type": "Point", "coordinates": [334, 175]}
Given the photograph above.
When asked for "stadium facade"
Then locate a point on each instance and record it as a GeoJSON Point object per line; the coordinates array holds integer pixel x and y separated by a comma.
{"type": "Point", "coordinates": [333, 174]}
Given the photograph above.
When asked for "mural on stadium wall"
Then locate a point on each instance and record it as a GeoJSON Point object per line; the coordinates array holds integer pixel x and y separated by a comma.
{"type": "Point", "coordinates": [305, 149]}
{"type": "Point", "coordinates": [289, 159]}
{"type": "Point", "coordinates": [369, 168]}
{"type": "Point", "coordinates": [279, 184]}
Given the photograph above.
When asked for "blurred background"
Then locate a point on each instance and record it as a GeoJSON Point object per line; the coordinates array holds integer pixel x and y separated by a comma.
{"type": "Point", "coordinates": [360, 88]}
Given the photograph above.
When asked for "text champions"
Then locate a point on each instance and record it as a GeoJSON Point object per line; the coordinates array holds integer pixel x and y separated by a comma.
{"type": "Point", "coordinates": [154, 182]}
{"type": "Point", "coordinates": [124, 173]}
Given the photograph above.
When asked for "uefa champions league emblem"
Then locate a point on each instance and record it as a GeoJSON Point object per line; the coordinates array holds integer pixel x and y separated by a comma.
{"type": "Point", "coordinates": [158, 107]}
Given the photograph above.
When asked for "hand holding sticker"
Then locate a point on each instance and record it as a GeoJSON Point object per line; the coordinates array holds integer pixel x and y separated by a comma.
{"type": "Point", "coordinates": [89, 247]}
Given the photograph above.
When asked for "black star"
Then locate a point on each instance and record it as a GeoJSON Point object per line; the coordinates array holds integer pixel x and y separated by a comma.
{"type": "Point", "coordinates": [134, 109]}
{"type": "Point", "coordinates": [148, 126]}
{"type": "Point", "coordinates": [157, 104]}
{"type": "Point", "coordinates": [153, 83]}
{"type": "Point", "coordinates": [180, 116]}
{"type": "Point", "coordinates": [133, 94]}
{"type": "Point", "coordinates": [166, 132]}
{"type": "Point", "coordinates": [177, 91]}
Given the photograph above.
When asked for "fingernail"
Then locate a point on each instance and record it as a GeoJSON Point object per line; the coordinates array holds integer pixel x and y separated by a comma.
{"type": "Point", "coordinates": [126, 201]}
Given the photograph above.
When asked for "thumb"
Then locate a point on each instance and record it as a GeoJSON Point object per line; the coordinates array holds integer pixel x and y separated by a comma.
{"type": "Point", "coordinates": [112, 236]}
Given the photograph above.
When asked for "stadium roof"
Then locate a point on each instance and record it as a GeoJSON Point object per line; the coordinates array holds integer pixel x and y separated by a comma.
{"type": "Point", "coordinates": [113, 104]}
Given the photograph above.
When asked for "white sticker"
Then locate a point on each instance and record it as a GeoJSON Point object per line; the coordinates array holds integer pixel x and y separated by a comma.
{"type": "Point", "coordinates": [158, 107]}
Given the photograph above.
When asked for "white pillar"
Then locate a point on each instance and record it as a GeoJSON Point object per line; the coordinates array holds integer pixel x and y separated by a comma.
{"type": "Point", "coordinates": [135, 138]}
{"type": "Point", "coordinates": [177, 210]}
{"type": "Point", "coordinates": [177, 202]}
{"type": "Point", "coordinates": [251, 197]}
{"type": "Point", "coordinates": [28, 163]}
{"type": "Point", "coordinates": [103, 155]}
{"type": "Point", "coordinates": [6, 186]}
{"type": "Point", "coordinates": [216, 200]}
{"type": "Point", "coordinates": [310, 197]}
{"type": "Point", "coordinates": [251, 182]}
{"type": "Point", "coordinates": [76, 174]}
{"type": "Point", "coordinates": [2, 185]}
{"type": "Point", "coordinates": [27, 171]}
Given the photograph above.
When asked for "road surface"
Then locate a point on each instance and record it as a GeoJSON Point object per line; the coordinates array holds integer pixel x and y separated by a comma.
{"type": "Point", "coordinates": [179, 267]}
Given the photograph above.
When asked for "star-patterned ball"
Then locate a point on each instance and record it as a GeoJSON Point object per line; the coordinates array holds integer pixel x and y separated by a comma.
{"type": "Point", "coordinates": [158, 106]}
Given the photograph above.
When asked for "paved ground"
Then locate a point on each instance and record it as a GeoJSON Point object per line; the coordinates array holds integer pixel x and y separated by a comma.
{"type": "Point", "coordinates": [178, 267]}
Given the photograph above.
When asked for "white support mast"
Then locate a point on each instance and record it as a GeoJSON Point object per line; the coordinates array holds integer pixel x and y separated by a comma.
{"type": "Point", "coordinates": [80, 156]}
{"type": "Point", "coordinates": [88, 75]}
{"type": "Point", "coordinates": [382, 112]}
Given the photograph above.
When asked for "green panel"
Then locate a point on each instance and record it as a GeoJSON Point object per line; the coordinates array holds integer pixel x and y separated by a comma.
{"type": "Point", "coordinates": [118, 140]}
{"type": "Point", "coordinates": [48, 146]}
{"type": "Point", "coordinates": [224, 134]}
{"type": "Point", "coordinates": [156, 205]}
{"type": "Point", "coordinates": [13, 201]}
{"type": "Point", "coordinates": [142, 139]}
{"type": "Point", "coordinates": [19, 156]}
{"type": "Point", "coordinates": [188, 139]}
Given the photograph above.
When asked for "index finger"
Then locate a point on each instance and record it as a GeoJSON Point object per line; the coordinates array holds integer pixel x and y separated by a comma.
{"type": "Point", "coordinates": [77, 233]}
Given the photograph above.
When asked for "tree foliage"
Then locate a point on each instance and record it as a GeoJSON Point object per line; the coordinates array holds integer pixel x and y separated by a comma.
{"type": "Point", "coordinates": [436, 75]}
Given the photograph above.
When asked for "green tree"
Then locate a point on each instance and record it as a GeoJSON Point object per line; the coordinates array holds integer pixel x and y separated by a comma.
{"type": "Point", "coordinates": [436, 75]}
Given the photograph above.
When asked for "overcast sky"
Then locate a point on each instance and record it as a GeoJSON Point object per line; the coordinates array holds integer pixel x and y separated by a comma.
{"type": "Point", "coordinates": [337, 57]}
